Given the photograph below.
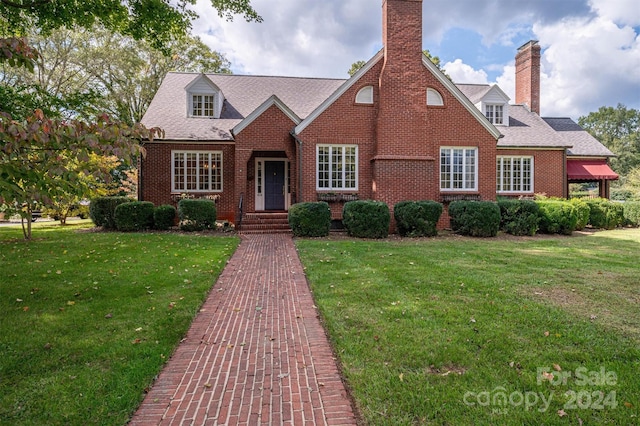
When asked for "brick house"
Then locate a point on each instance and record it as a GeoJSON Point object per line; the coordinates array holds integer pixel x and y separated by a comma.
{"type": "Point", "coordinates": [398, 129]}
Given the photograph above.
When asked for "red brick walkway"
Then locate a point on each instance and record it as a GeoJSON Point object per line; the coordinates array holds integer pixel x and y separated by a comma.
{"type": "Point", "coordinates": [255, 354]}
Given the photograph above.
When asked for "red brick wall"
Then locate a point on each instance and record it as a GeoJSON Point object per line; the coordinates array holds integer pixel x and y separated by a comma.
{"type": "Point", "coordinates": [156, 174]}
{"type": "Point", "coordinates": [549, 174]}
{"type": "Point", "coordinates": [528, 76]}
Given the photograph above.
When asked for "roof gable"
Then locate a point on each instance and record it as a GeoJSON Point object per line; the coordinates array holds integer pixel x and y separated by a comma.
{"type": "Point", "coordinates": [339, 92]}
{"type": "Point", "coordinates": [273, 100]}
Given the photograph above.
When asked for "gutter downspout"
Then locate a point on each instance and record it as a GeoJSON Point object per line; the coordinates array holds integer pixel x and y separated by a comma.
{"type": "Point", "coordinates": [140, 173]}
{"type": "Point", "coordinates": [299, 197]}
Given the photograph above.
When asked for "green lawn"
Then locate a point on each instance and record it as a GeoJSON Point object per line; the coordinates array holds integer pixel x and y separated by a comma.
{"type": "Point", "coordinates": [437, 331]}
{"type": "Point", "coordinates": [88, 319]}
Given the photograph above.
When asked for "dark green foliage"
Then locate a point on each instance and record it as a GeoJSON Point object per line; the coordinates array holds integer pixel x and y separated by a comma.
{"type": "Point", "coordinates": [557, 217]}
{"type": "Point", "coordinates": [197, 215]}
{"type": "Point", "coordinates": [605, 214]}
{"type": "Point", "coordinates": [475, 218]}
{"type": "Point", "coordinates": [366, 219]}
{"type": "Point", "coordinates": [102, 210]}
{"type": "Point", "coordinates": [164, 217]}
{"type": "Point", "coordinates": [519, 217]}
{"type": "Point", "coordinates": [632, 213]}
{"type": "Point", "coordinates": [134, 216]}
{"type": "Point", "coordinates": [310, 219]}
{"type": "Point", "coordinates": [417, 218]}
{"type": "Point", "coordinates": [583, 211]}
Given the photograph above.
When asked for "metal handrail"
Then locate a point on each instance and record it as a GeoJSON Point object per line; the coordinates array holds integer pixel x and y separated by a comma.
{"type": "Point", "coordinates": [240, 211]}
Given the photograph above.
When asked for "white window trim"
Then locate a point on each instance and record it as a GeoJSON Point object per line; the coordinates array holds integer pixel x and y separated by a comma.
{"type": "Point", "coordinates": [214, 105]}
{"type": "Point", "coordinates": [365, 96]}
{"type": "Point", "coordinates": [499, 174]}
{"type": "Point", "coordinates": [464, 174]}
{"type": "Point", "coordinates": [494, 105]}
{"type": "Point", "coordinates": [185, 190]}
{"type": "Point", "coordinates": [434, 98]}
{"type": "Point", "coordinates": [331, 188]}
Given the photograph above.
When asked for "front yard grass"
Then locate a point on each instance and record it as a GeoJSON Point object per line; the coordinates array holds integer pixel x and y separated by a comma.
{"type": "Point", "coordinates": [88, 319]}
{"type": "Point", "coordinates": [460, 331]}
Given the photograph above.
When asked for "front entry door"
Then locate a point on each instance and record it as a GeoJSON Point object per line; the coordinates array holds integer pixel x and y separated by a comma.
{"type": "Point", "coordinates": [274, 185]}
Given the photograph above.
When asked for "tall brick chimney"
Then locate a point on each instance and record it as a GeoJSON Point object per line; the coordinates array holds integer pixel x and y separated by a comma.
{"type": "Point", "coordinates": [402, 32]}
{"type": "Point", "coordinates": [528, 75]}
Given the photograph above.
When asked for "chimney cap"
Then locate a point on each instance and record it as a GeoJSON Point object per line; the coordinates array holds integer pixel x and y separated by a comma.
{"type": "Point", "coordinates": [527, 45]}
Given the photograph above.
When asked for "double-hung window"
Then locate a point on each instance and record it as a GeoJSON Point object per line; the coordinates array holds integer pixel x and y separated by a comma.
{"type": "Point", "coordinates": [202, 105]}
{"type": "Point", "coordinates": [458, 169]}
{"type": "Point", "coordinates": [337, 167]}
{"type": "Point", "coordinates": [514, 174]}
{"type": "Point", "coordinates": [495, 113]}
{"type": "Point", "coordinates": [196, 171]}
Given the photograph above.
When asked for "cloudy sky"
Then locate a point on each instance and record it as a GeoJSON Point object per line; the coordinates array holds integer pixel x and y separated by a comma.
{"type": "Point", "coordinates": [590, 48]}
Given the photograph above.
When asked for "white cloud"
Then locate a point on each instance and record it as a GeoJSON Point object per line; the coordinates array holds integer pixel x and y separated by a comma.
{"type": "Point", "coordinates": [626, 12]}
{"type": "Point", "coordinates": [463, 73]}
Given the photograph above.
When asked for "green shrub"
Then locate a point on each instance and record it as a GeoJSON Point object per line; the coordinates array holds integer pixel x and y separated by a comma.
{"type": "Point", "coordinates": [197, 215]}
{"type": "Point", "coordinates": [417, 218]}
{"type": "Point", "coordinates": [164, 217]}
{"type": "Point", "coordinates": [583, 211]}
{"type": "Point", "coordinates": [632, 213]}
{"type": "Point", "coordinates": [134, 216]}
{"type": "Point", "coordinates": [310, 219]}
{"type": "Point", "coordinates": [605, 214]}
{"type": "Point", "coordinates": [366, 219]}
{"type": "Point", "coordinates": [519, 217]}
{"type": "Point", "coordinates": [475, 218]}
{"type": "Point", "coordinates": [557, 217]}
{"type": "Point", "coordinates": [102, 210]}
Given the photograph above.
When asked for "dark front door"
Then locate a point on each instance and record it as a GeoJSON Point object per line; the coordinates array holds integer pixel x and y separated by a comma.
{"type": "Point", "coordinates": [274, 185]}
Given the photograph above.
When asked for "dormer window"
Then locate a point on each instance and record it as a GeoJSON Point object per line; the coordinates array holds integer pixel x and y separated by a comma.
{"type": "Point", "coordinates": [494, 113]}
{"type": "Point", "coordinates": [202, 105]}
{"type": "Point", "coordinates": [204, 98]}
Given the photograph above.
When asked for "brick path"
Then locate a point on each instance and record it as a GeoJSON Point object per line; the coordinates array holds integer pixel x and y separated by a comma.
{"type": "Point", "coordinates": [256, 354]}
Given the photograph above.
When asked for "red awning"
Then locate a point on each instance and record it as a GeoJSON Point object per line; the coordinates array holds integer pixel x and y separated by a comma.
{"type": "Point", "coordinates": [590, 170]}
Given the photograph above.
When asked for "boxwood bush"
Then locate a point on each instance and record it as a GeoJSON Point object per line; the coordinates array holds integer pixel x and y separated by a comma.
{"type": "Point", "coordinates": [475, 218]}
{"type": "Point", "coordinates": [605, 214]}
{"type": "Point", "coordinates": [197, 215]}
{"type": "Point", "coordinates": [557, 217]}
{"type": "Point", "coordinates": [134, 216]}
{"type": "Point", "coordinates": [632, 213]}
{"type": "Point", "coordinates": [102, 210]}
{"type": "Point", "coordinates": [519, 217]}
{"type": "Point", "coordinates": [417, 218]}
{"type": "Point", "coordinates": [583, 211]}
{"type": "Point", "coordinates": [164, 217]}
{"type": "Point", "coordinates": [366, 219]}
{"type": "Point", "coordinates": [310, 219]}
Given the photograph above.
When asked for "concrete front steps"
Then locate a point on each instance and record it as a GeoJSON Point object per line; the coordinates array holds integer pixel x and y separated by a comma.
{"type": "Point", "coordinates": [265, 223]}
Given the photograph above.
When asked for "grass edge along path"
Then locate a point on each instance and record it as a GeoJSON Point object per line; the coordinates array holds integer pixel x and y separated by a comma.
{"type": "Point", "coordinates": [455, 330]}
{"type": "Point", "coordinates": [89, 319]}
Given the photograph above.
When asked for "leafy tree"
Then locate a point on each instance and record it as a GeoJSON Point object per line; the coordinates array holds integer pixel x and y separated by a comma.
{"type": "Point", "coordinates": [619, 130]}
{"type": "Point", "coordinates": [34, 157]}
{"type": "Point", "coordinates": [435, 59]}
{"type": "Point", "coordinates": [157, 21]}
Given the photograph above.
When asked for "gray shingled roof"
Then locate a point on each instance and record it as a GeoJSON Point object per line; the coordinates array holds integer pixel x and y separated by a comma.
{"type": "Point", "coordinates": [243, 94]}
{"type": "Point", "coordinates": [527, 129]}
{"type": "Point", "coordinates": [475, 92]}
{"type": "Point", "coordinates": [582, 143]}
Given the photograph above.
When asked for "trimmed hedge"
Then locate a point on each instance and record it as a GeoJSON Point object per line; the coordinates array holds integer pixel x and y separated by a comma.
{"type": "Point", "coordinates": [164, 217]}
{"type": "Point", "coordinates": [632, 213]}
{"type": "Point", "coordinates": [519, 217]}
{"type": "Point", "coordinates": [134, 216]}
{"type": "Point", "coordinates": [102, 210]}
{"type": "Point", "coordinates": [366, 219]}
{"type": "Point", "coordinates": [583, 211]}
{"type": "Point", "coordinates": [557, 217]}
{"type": "Point", "coordinates": [417, 218]}
{"type": "Point", "coordinates": [605, 214]}
{"type": "Point", "coordinates": [197, 215]}
{"type": "Point", "coordinates": [475, 218]}
{"type": "Point", "coordinates": [310, 219]}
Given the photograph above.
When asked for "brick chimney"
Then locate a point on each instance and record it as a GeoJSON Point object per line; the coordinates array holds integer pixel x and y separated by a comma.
{"type": "Point", "coordinates": [402, 33]}
{"type": "Point", "coordinates": [528, 75]}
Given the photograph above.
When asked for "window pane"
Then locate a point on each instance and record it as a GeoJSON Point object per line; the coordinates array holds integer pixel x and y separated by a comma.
{"type": "Point", "coordinates": [178, 171]}
{"type": "Point", "coordinates": [470, 169]}
{"type": "Point", "coordinates": [445, 169]}
{"type": "Point", "coordinates": [208, 106]}
{"type": "Point", "coordinates": [498, 114]}
{"type": "Point", "coordinates": [197, 105]}
{"type": "Point", "coordinates": [457, 168]}
{"type": "Point", "coordinates": [216, 171]}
